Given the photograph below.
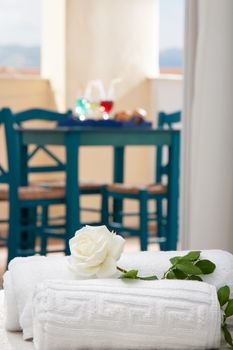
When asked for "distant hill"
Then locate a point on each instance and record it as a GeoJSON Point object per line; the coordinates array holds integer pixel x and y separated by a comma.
{"type": "Point", "coordinates": [29, 57]}
{"type": "Point", "coordinates": [19, 56]}
{"type": "Point", "coordinates": [171, 58]}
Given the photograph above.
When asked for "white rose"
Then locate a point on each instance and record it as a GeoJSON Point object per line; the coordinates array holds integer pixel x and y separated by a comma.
{"type": "Point", "coordinates": [95, 251]}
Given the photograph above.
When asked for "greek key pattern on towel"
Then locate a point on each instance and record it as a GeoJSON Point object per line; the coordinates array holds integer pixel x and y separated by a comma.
{"type": "Point", "coordinates": [155, 313]}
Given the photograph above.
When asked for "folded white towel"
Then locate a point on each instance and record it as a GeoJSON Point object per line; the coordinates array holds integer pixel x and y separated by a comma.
{"type": "Point", "coordinates": [25, 273]}
{"type": "Point", "coordinates": [114, 314]}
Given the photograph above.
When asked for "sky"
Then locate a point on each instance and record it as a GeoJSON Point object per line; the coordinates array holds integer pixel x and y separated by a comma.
{"type": "Point", "coordinates": [171, 23]}
{"type": "Point", "coordinates": [20, 22]}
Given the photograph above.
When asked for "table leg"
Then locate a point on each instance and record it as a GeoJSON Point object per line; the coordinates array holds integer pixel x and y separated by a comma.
{"type": "Point", "coordinates": [118, 177]}
{"type": "Point", "coordinates": [173, 193]}
{"type": "Point", "coordinates": [72, 188]}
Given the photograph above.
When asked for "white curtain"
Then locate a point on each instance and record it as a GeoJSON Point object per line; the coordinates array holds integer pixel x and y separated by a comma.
{"type": "Point", "coordinates": [207, 144]}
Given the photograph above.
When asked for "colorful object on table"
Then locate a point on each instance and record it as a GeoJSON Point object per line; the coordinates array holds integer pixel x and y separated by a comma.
{"type": "Point", "coordinates": [138, 114]}
{"type": "Point", "coordinates": [106, 104]}
{"type": "Point", "coordinates": [94, 109]}
{"type": "Point", "coordinates": [94, 93]}
{"type": "Point", "coordinates": [105, 108]}
{"type": "Point", "coordinates": [96, 102]}
{"type": "Point", "coordinates": [82, 105]}
{"type": "Point", "coordinates": [108, 123]}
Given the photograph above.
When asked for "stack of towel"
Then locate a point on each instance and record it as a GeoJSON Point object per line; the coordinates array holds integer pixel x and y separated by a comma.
{"type": "Point", "coordinates": [45, 300]}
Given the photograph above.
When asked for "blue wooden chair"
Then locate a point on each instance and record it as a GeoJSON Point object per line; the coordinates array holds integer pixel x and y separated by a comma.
{"type": "Point", "coordinates": [144, 193]}
{"type": "Point", "coordinates": [29, 208]}
{"type": "Point", "coordinates": [21, 197]}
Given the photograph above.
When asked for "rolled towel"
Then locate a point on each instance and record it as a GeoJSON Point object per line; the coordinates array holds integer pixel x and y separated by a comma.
{"type": "Point", "coordinates": [25, 273]}
{"type": "Point", "coordinates": [157, 263]}
{"type": "Point", "coordinates": [116, 314]}
{"type": "Point", "coordinates": [19, 283]}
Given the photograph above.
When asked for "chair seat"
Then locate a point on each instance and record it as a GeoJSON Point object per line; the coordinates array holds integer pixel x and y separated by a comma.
{"type": "Point", "coordinates": [34, 193]}
{"type": "Point", "coordinates": [84, 186]}
{"type": "Point", "coordinates": [135, 189]}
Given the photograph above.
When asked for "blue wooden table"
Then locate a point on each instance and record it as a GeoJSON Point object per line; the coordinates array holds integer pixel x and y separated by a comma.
{"type": "Point", "coordinates": [72, 138]}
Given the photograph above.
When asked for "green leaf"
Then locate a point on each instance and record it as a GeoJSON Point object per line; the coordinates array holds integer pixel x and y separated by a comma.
{"type": "Point", "coordinates": [132, 274]}
{"type": "Point", "coordinates": [229, 308]}
{"type": "Point", "coordinates": [179, 274]}
{"type": "Point", "coordinates": [223, 295]}
{"type": "Point", "coordinates": [189, 268]}
{"type": "Point", "coordinates": [170, 275]}
{"type": "Point", "coordinates": [150, 278]}
{"type": "Point", "coordinates": [192, 256]}
{"type": "Point", "coordinates": [206, 266]}
{"type": "Point", "coordinates": [195, 278]}
{"type": "Point", "coordinates": [175, 260]}
{"type": "Point", "coordinates": [227, 335]}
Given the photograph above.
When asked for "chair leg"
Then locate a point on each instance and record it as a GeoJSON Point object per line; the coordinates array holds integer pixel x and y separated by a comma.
{"type": "Point", "coordinates": [44, 238]}
{"type": "Point", "coordinates": [32, 220]}
{"type": "Point", "coordinates": [104, 208]}
{"type": "Point", "coordinates": [117, 210]}
{"type": "Point", "coordinates": [159, 214]}
{"type": "Point", "coordinates": [143, 220]}
{"type": "Point", "coordinates": [161, 227]}
{"type": "Point", "coordinates": [14, 232]}
{"type": "Point", "coordinates": [24, 221]}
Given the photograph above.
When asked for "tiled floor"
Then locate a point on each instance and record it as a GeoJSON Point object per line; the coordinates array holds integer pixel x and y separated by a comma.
{"type": "Point", "coordinates": [132, 245]}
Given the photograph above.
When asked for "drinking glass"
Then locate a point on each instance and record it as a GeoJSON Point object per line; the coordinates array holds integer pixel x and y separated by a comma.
{"type": "Point", "coordinates": [105, 108]}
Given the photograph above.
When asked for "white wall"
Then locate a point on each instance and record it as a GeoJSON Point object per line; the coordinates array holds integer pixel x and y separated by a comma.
{"type": "Point", "coordinates": [104, 39]}
{"type": "Point", "coordinates": [53, 51]}
{"type": "Point", "coordinates": [108, 39]}
{"type": "Point", "coordinates": [166, 93]}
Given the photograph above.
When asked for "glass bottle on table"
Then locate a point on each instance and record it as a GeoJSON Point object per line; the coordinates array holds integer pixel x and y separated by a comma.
{"type": "Point", "coordinates": [82, 105]}
{"type": "Point", "coordinates": [94, 93]}
{"type": "Point", "coordinates": [107, 103]}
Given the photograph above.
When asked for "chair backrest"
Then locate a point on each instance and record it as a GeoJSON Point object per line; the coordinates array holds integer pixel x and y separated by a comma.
{"type": "Point", "coordinates": [11, 176]}
{"type": "Point", "coordinates": [41, 115]}
{"type": "Point", "coordinates": [4, 174]}
{"type": "Point", "coordinates": [165, 120]}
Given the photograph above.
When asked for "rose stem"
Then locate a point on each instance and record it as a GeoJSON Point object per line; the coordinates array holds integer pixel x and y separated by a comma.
{"type": "Point", "coordinates": [121, 270]}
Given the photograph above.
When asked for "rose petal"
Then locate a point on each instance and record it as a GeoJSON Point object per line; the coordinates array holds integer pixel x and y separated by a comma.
{"type": "Point", "coordinates": [96, 258]}
{"type": "Point", "coordinates": [83, 229]}
{"type": "Point", "coordinates": [82, 270]}
{"type": "Point", "coordinates": [116, 246]}
{"type": "Point", "coordinates": [107, 269]}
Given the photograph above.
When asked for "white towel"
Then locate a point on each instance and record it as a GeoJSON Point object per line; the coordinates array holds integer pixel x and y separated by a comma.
{"type": "Point", "coordinates": [25, 273]}
{"type": "Point", "coordinates": [116, 314]}
{"type": "Point", "coordinates": [158, 262]}
{"type": "Point", "coordinates": [19, 283]}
